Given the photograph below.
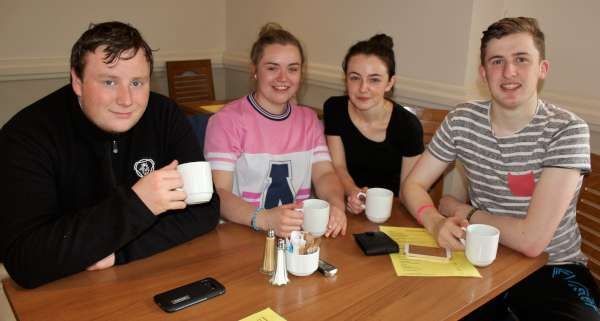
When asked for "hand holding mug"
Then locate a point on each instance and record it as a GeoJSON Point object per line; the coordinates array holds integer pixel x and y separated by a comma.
{"type": "Point", "coordinates": [448, 231]}
{"type": "Point", "coordinates": [283, 219]}
{"type": "Point", "coordinates": [158, 190]}
{"type": "Point", "coordinates": [355, 202]}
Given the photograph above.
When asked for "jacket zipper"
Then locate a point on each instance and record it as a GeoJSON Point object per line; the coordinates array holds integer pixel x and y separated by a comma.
{"type": "Point", "coordinates": [115, 147]}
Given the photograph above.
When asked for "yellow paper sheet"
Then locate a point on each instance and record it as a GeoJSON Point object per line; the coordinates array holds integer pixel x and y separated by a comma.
{"type": "Point", "coordinates": [457, 266]}
{"type": "Point", "coordinates": [264, 315]}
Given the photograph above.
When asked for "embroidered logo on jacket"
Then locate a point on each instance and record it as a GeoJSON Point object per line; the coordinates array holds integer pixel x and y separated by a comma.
{"type": "Point", "coordinates": [143, 167]}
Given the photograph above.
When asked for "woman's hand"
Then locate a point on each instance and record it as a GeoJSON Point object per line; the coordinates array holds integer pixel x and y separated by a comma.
{"type": "Point", "coordinates": [282, 219]}
{"type": "Point", "coordinates": [337, 222]}
{"type": "Point", "coordinates": [354, 203]}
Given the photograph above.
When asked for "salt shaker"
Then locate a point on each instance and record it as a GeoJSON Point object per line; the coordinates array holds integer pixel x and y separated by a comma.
{"type": "Point", "coordinates": [268, 265]}
{"type": "Point", "coordinates": [280, 276]}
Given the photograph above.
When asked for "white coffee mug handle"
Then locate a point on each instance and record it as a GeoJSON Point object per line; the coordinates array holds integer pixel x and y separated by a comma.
{"type": "Point", "coordinates": [358, 195]}
{"type": "Point", "coordinates": [463, 241]}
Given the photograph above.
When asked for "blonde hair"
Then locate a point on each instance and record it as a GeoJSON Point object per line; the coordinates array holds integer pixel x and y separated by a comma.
{"type": "Point", "coordinates": [273, 33]}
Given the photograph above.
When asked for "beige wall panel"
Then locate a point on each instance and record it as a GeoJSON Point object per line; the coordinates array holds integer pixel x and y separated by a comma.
{"type": "Point", "coordinates": [40, 35]}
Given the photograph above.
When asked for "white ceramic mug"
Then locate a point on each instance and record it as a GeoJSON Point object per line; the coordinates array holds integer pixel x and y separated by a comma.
{"type": "Point", "coordinates": [302, 264]}
{"type": "Point", "coordinates": [197, 182]}
{"type": "Point", "coordinates": [316, 216]}
{"type": "Point", "coordinates": [481, 244]}
{"type": "Point", "coordinates": [378, 204]}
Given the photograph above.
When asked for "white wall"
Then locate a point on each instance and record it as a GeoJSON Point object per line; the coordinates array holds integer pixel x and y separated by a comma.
{"type": "Point", "coordinates": [37, 37]}
{"type": "Point", "coordinates": [430, 36]}
{"type": "Point", "coordinates": [436, 44]}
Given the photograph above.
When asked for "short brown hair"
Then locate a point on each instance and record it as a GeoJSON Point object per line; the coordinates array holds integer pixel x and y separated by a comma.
{"type": "Point", "coordinates": [272, 33]}
{"type": "Point", "coordinates": [118, 37]}
{"type": "Point", "coordinates": [509, 26]}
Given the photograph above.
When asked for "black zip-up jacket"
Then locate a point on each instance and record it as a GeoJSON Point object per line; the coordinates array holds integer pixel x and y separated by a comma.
{"type": "Point", "coordinates": [65, 188]}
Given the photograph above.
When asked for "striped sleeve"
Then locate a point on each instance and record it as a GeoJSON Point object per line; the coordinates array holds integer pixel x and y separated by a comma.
{"type": "Point", "coordinates": [569, 146]}
{"type": "Point", "coordinates": [320, 150]}
{"type": "Point", "coordinates": [442, 144]}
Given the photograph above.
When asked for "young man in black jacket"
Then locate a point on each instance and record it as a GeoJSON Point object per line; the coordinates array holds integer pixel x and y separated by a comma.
{"type": "Point", "coordinates": [89, 175]}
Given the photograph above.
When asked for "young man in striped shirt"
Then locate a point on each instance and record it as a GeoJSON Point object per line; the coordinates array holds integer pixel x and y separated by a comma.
{"type": "Point", "coordinates": [524, 160]}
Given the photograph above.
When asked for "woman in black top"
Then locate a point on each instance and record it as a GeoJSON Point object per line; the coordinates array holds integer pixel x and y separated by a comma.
{"type": "Point", "coordinates": [374, 142]}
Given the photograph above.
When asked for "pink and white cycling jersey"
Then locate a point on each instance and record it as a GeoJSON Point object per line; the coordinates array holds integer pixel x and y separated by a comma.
{"type": "Point", "coordinates": [271, 156]}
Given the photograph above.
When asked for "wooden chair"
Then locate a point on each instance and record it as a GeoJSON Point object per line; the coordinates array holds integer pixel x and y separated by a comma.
{"type": "Point", "coordinates": [190, 81]}
{"type": "Point", "coordinates": [431, 119]}
{"type": "Point", "coordinates": [588, 218]}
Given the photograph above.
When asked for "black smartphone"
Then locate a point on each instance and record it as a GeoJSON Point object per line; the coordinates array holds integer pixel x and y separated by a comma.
{"type": "Point", "coordinates": [189, 294]}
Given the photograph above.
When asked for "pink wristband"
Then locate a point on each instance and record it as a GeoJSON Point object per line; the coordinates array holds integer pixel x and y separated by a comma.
{"type": "Point", "coordinates": [420, 212]}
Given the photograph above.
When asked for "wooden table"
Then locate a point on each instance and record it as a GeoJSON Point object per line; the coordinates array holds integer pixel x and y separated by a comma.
{"type": "Point", "coordinates": [365, 287]}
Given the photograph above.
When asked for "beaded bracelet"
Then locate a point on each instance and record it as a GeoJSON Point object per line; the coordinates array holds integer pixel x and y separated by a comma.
{"type": "Point", "coordinates": [253, 219]}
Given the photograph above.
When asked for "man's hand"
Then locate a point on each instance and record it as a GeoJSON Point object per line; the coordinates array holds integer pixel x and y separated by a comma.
{"type": "Point", "coordinates": [355, 204]}
{"type": "Point", "coordinates": [105, 263]}
{"type": "Point", "coordinates": [337, 221]}
{"type": "Point", "coordinates": [158, 190]}
{"type": "Point", "coordinates": [448, 231]}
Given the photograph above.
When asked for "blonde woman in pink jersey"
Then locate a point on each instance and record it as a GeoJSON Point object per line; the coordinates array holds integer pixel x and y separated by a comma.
{"type": "Point", "coordinates": [266, 151]}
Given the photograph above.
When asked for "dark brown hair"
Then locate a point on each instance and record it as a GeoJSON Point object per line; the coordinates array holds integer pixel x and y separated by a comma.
{"type": "Point", "coordinates": [118, 37]}
{"type": "Point", "coordinates": [509, 26]}
{"type": "Point", "coordinates": [380, 45]}
{"type": "Point", "coordinates": [273, 33]}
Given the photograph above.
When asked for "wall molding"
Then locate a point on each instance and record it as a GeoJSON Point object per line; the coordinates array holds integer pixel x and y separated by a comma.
{"type": "Point", "coordinates": [407, 90]}
{"type": "Point", "coordinates": [15, 69]}
{"type": "Point", "coordinates": [585, 107]}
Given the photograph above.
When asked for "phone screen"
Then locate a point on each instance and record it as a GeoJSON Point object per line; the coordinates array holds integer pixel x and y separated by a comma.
{"type": "Point", "coordinates": [189, 294]}
{"type": "Point", "coordinates": [426, 252]}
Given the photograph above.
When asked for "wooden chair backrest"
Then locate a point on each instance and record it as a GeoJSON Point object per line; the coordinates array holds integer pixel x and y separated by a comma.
{"type": "Point", "coordinates": [431, 119]}
{"type": "Point", "coordinates": [588, 217]}
{"type": "Point", "coordinates": [190, 81]}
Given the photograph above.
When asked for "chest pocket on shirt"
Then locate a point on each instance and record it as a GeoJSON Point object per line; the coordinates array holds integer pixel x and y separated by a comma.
{"type": "Point", "coordinates": [521, 185]}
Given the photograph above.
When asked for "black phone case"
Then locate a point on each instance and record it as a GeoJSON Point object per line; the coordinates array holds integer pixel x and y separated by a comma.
{"type": "Point", "coordinates": [189, 294]}
{"type": "Point", "coordinates": [376, 243]}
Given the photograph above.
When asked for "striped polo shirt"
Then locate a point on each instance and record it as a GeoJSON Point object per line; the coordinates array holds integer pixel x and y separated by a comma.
{"type": "Point", "coordinates": [502, 171]}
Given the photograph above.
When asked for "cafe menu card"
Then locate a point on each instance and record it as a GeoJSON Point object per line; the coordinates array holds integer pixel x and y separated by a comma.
{"type": "Point", "coordinates": [264, 315]}
{"type": "Point", "coordinates": [457, 266]}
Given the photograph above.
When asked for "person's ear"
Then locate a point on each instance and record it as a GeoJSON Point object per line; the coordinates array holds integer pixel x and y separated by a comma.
{"type": "Point", "coordinates": [482, 73]}
{"type": "Point", "coordinates": [253, 70]}
{"type": "Point", "coordinates": [76, 83]}
{"type": "Point", "coordinates": [544, 68]}
{"type": "Point", "coordinates": [391, 83]}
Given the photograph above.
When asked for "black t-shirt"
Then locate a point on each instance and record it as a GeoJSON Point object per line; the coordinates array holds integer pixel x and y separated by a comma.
{"type": "Point", "coordinates": [374, 164]}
